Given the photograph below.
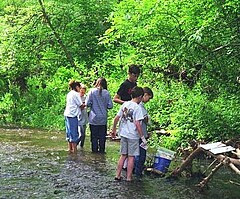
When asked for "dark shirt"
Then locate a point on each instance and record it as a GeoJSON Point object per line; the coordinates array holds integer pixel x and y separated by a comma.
{"type": "Point", "coordinates": [125, 90]}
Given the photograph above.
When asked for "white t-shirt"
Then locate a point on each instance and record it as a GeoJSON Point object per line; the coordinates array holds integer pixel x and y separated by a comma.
{"type": "Point", "coordinates": [145, 114]}
{"type": "Point", "coordinates": [129, 113]}
{"type": "Point", "coordinates": [73, 104]}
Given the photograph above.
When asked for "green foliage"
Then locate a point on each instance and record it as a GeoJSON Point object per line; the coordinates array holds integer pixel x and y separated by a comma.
{"type": "Point", "coordinates": [6, 104]}
{"type": "Point", "coordinates": [175, 36]}
{"type": "Point", "coordinates": [190, 57]}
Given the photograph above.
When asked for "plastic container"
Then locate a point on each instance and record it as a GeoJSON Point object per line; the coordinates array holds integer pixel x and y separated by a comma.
{"type": "Point", "coordinates": [161, 164]}
{"type": "Point", "coordinates": [163, 159]}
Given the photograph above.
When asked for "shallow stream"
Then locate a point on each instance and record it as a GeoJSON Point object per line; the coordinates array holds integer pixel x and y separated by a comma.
{"type": "Point", "coordinates": [36, 164]}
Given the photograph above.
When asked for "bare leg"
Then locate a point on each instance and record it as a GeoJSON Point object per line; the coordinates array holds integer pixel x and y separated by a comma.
{"type": "Point", "coordinates": [70, 147]}
{"type": "Point", "coordinates": [120, 165]}
{"type": "Point", "coordinates": [130, 167]}
{"type": "Point", "coordinates": [74, 147]}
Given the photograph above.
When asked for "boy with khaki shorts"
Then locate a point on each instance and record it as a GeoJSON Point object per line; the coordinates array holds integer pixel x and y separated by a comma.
{"type": "Point", "coordinates": [130, 130]}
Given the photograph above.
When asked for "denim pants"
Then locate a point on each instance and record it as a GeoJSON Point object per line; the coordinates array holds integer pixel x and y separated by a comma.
{"type": "Point", "coordinates": [140, 160]}
{"type": "Point", "coordinates": [82, 134]}
{"type": "Point", "coordinates": [72, 134]}
{"type": "Point", "coordinates": [98, 137]}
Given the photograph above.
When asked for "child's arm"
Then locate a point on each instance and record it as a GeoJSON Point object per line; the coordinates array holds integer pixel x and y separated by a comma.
{"type": "Point", "coordinates": [140, 132]}
{"type": "Point", "coordinates": [117, 99]}
{"type": "Point", "coordinates": [115, 122]}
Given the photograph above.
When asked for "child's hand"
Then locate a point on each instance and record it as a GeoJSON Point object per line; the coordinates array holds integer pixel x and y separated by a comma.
{"type": "Point", "coordinates": [144, 146]}
{"type": "Point", "coordinates": [113, 133]}
{"type": "Point", "coordinates": [82, 106]}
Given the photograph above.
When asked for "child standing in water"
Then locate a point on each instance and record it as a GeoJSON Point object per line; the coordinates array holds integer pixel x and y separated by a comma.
{"type": "Point", "coordinates": [72, 110]}
{"type": "Point", "coordinates": [140, 160]}
{"type": "Point", "coordinates": [83, 117]}
{"type": "Point", "coordinates": [124, 92]}
{"type": "Point", "coordinates": [99, 101]}
{"type": "Point", "coordinates": [130, 130]}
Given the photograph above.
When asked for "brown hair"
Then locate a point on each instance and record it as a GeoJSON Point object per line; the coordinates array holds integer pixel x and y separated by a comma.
{"type": "Point", "coordinates": [73, 84]}
{"type": "Point", "coordinates": [137, 92]}
{"type": "Point", "coordinates": [134, 69]}
{"type": "Point", "coordinates": [148, 91]}
{"type": "Point", "coordinates": [101, 83]}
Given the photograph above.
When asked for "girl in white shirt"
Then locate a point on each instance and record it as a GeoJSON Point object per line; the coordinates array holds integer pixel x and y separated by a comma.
{"type": "Point", "coordinates": [71, 113]}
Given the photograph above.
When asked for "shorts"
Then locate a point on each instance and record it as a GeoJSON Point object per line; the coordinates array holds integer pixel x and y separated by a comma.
{"type": "Point", "coordinates": [72, 134]}
{"type": "Point", "coordinates": [129, 147]}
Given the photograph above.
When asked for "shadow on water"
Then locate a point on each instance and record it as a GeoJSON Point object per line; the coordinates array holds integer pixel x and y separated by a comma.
{"type": "Point", "coordinates": [35, 164]}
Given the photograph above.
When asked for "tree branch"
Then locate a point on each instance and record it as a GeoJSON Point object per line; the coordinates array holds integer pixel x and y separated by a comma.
{"type": "Point", "coordinates": [188, 161]}
{"type": "Point", "coordinates": [59, 40]}
{"type": "Point", "coordinates": [214, 170]}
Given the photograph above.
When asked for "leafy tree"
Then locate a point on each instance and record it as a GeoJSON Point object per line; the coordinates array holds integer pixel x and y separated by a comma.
{"type": "Point", "coordinates": [189, 51]}
{"type": "Point", "coordinates": [181, 43]}
{"type": "Point", "coordinates": [31, 54]}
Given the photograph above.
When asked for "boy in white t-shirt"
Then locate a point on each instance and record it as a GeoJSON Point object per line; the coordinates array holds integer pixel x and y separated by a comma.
{"type": "Point", "coordinates": [140, 160]}
{"type": "Point", "coordinates": [130, 130]}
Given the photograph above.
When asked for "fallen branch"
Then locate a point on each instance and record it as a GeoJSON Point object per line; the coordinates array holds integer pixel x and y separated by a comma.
{"type": "Point", "coordinates": [219, 152]}
{"type": "Point", "coordinates": [185, 163]}
{"type": "Point", "coordinates": [155, 171]}
{"type": "Point", "coordinates": [214, 161]}
{"type": "Point", "coordinates": [235, 183]}
{"type": "Point", "coordinates": [232, 160]}
{"type": "Point", "coordinates": [206, 180]}
{"type": "Point", "coordinates": [234, 168]}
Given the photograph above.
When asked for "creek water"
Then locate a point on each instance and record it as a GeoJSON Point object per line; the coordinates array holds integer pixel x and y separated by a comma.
{"type": "Point", "coordinates": [36, 164]}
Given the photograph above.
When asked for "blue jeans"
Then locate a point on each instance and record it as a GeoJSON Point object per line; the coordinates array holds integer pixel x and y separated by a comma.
{"type": "Point", "coordinates": [98, 137]}
{"type": "Point", "coordinates": [83, 134]}
{"type": "Point", "coordinates": [72, 134]}
{"type": "Point", "coordinates": [140, 160]}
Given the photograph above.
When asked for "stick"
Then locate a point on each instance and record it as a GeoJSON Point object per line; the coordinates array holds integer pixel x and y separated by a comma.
{"type": "Point", "coordinates": [155, 171]}
{"type": "Point", "coordinates": [236, 183]}
{"type": "Point", "coordinates": [214, 161]}
{"type": "Point", "coordinates": [206, 180]}
{"type": "Point", "coordinates": [234, 168]}
{"type": "Point", "coordinates": [185, 163]}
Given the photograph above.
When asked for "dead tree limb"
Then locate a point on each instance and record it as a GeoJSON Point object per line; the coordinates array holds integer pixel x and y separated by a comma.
{"type": "Point", "coordinates": [219, 151]}
{"type": "Point", "coordinates": [214, 161]}
{"type": "Point", "coordinates": [235, 183]}
{"type": "Point", "coordinates": [58, 38]}
{"type": "Point", "coordinates": [232, 160]}
{"type": "Point", "coordinates": [203, 183]}
{"type": "Point", "coordinates": [221, 157]}
{"type": "Point", "coordinates": [185, 163]}
{"type": "Point", "coordinates": [234, 168]}
{"type": "Point", "coordinates": [155, 171]}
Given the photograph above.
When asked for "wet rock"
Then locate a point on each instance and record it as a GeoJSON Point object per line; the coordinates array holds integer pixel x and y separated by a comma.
{"type": "Point", "coordinates": [57, 191]}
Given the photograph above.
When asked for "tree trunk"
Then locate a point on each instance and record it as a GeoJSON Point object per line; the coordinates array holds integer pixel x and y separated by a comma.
{"type": "Point", "coordinates": [59, 40]}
